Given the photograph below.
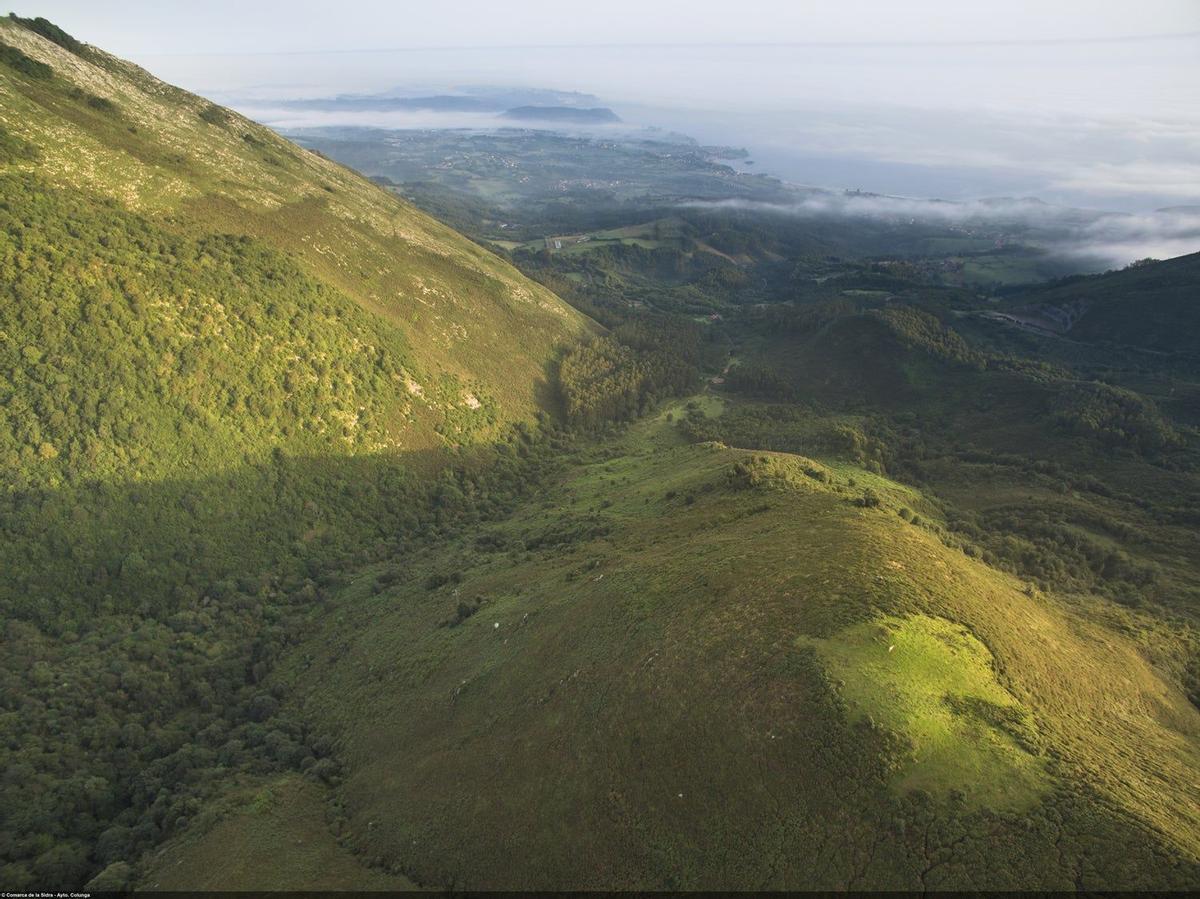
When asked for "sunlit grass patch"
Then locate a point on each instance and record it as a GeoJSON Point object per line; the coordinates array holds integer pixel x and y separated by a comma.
{"type": "Point", "coordinates": [931, 681]}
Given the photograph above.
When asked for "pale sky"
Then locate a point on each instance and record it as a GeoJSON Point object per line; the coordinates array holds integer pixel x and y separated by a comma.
{"type": "Point", "coordinates": [140, 27]}
{"type": "Point", "coordinates": [1091, 102]}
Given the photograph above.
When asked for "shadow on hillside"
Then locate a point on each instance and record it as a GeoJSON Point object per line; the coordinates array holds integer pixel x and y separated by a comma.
{"type": "Point", "coordinates": [151, 547]}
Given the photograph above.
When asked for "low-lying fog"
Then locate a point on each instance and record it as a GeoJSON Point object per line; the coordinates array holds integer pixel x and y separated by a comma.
{"type": "Point", "coordinates": [1094, 239]}
{"type": "Point", "coordinates": [1091, 104]}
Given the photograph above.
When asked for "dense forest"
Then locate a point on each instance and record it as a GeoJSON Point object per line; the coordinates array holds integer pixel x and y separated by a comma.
{"type": "Point", "coordinates": [164, 537]}
{"type": "Point", "coordinates": [702, 548]}
{"type": "Point", "coordinates": [201, 431]}
{"type": "Point", "coordinates": [644, 360]}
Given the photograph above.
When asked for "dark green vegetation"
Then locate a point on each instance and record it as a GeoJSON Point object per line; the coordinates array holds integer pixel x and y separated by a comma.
{"type": "Point", "coordinates": [228, 368]}
{"type": "Point", "coordinates": [622, 376]}
{"type": "Point", "coordinates": [24, 65]}
{"type": "Point", "coordinates": [1148, 306]}
{"type": "Point", "coordinates": [726, 670]}
{"type": "Point", "coordinates": [51, 32]}
{"type": "Point", "coordinates": [924, 632]}
{"type": "Point", "coordinates": [1075, 483]}
{"type": "Point", "coordinates": [250, 840]}
{"type": "Point", "coordinates": [339, 554]}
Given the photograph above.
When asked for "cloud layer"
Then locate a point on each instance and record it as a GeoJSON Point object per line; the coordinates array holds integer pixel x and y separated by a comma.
{"type": "Point", "coordinates": [1111, 239]}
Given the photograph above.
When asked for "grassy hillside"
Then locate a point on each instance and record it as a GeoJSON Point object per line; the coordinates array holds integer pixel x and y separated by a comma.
{"type": "Point", "coordinates": [1150, 305]}
{"type": "Point", "coordinates": [103, 129]}
{"type": "Point", "coordinates": [306, 585]}
{"type": "Point", "coordinates": [693, 666]}
{"type": "Point", "coordinates": [228, 368]}
{"type": "Point", "coordinates": [250, 844]}
{"type": "Point", "coordinates": [189, 295]}
{"type": "Point", "coordinates": [1056, 471]}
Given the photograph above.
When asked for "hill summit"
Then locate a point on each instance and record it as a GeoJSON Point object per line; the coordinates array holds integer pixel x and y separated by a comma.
{"type": "Point", "coordinates": [308, 583]}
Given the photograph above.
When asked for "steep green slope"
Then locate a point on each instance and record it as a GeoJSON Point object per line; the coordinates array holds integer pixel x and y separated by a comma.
{"type": "Point", "coordinates": [228, 367]}
{"type": "Point", "coordinates": [188, 295]}
{"type": "Point", "coordinates": [296, 594]}
{"type": "Point", "coordinates": [1151, 305]}
{"type": "Point", "coordinates": [251, 844]}
{"type": "Point", "coordinates": [692, 666]}
{"type": "Point", "coordinates": [101, 128]}
{"type": "Point", "coordinates": [1038, 466]}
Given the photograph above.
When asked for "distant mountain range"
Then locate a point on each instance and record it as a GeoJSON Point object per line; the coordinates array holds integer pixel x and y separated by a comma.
{"type": "Point", "coordinates": [438, 103]}
{"type": "Point", "coordinates": [483, 100]}
{"type": "Point", "coordinates": [563, 114]}
{"type": "Point", "coordinates": [502, 103]}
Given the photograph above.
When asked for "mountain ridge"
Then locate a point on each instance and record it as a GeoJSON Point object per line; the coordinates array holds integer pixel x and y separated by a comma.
{"type": "Point", "coordinates": [1149, 305]}
{"type": "Point", "coordinates": [307, 583]}
{"type": "Point", "coordinates": [599, 115]}
{"type": "Point", "coordinates": [304, 204]}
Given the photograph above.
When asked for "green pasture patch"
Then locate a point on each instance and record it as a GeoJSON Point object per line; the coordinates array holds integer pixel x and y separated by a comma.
{"type": "Point", "coordinates": [931, 681]}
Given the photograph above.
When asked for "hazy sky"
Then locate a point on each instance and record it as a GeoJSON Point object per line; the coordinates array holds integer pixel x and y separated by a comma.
{"type": "Point", "coordinates": [140, 27]}
{"type": "Point", "coordinates": [1095, 102]}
